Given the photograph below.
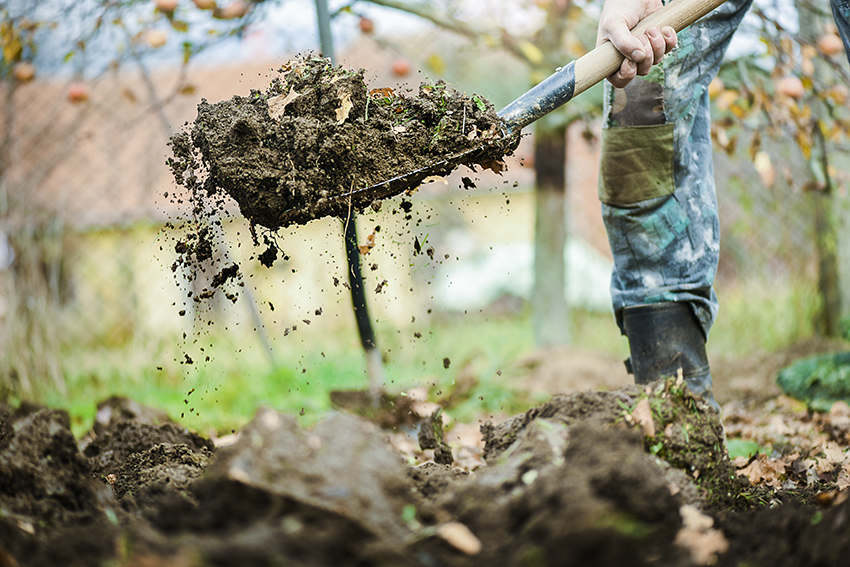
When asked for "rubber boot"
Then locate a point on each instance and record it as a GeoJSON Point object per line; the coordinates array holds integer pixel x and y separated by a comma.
{"type": "Point", "coordinates": [664, 337]}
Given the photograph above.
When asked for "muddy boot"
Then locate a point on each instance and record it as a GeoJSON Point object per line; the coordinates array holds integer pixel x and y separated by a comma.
{"type": "Point", "coordinates": [664, 337]}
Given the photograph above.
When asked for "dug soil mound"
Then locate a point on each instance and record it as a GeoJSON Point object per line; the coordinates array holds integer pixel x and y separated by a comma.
{"type": "Point", "coordinates": [311, 143]}
{"type": "Point", "coordinates": [637, 476]}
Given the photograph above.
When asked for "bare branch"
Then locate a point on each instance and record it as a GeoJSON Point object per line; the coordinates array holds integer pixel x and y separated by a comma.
{"type": "Point", "coordinates": [425, 11]}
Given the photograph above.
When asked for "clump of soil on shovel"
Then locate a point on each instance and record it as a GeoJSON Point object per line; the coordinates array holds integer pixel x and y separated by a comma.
{"type": "Point", "coordinates": [304, 147]}
{"type": "Point", "coordinates": [628, 477]}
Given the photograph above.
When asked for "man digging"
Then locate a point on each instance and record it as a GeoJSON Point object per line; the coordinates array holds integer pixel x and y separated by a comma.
{"type": "Point", "coordinates": [657, 185]}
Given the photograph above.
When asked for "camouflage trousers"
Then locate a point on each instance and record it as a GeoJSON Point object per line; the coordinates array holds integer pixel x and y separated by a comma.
{"type": "Point", "coordinates": [657, 178]}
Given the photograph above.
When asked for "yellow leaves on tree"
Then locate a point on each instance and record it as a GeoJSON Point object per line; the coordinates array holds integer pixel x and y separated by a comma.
{"type": "Point", "coordinates": [10, 39]}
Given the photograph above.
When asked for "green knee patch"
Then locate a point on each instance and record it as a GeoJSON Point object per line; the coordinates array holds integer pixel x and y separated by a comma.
{"type": "Point", "coordinates": [637, 164]}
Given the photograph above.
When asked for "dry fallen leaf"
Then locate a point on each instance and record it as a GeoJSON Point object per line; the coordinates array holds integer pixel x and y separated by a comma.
{"type": "Point", "coordinates": [703, 546]}
{"type": "Point", "coordinates": [693, 518]}
{"type": "Point", "coordinates": [277, 104]}
{"type": "Point", "coordinates": [843, 480]}
{"type": "Point", "coordinates": [764, 470]}
{"type": "Point", "coordinates": [460, 537]}
{"type": "Point", "coordinates": [833, 453]}
{"type": "Point", "coordinates": [496, 166]}
{"type": "Point", "coordinates": [382, 92]}
{"type": "Point", "coordinates": [699, 537]}
{"type": "Point", "coordinates": [643, 415]}
{"type": "Point", "coordinates": [777, 426]}
{"type": "Point", "coordinates": [370, 243]}
{"type": "Point", "coordinates": [840, 409]}
{"type": "Point", "coordinates": [345, 106]}
{"type": "Point", "coordinates": [432, 178]}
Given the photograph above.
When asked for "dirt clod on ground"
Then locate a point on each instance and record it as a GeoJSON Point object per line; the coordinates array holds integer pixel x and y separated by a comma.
{"type": "Point", "coordinates": [303, 148]}
{"type": "Point", "coordinates": [108, 451]}
{"type": "Point", "coordinates": [627, 477]}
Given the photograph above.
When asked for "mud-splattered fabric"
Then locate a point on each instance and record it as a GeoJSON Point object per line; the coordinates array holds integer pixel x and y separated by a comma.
{"type": "Point", "coordinates": [841, 13]}
{"type": "Point", "coordinates": [663, 229]}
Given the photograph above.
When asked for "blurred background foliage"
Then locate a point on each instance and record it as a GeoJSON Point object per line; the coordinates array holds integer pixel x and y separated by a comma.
{"type": "Point", "coordinates": [89, 306]}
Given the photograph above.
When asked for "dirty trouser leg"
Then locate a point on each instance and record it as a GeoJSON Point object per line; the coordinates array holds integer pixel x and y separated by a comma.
{"type": "Point", "coordinates": [841, 13]}
{"type": "Point", "coordinates": [657, 177]}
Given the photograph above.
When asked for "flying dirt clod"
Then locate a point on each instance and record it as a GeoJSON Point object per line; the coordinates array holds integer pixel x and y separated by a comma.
{"type": "Point", "coordinates": [317, 137]}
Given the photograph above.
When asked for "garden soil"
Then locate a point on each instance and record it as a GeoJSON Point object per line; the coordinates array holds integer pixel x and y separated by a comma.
{"type": "Point", "coordinates": [309, 144]}
{"type": "Point", "coordinates": [634, 476]}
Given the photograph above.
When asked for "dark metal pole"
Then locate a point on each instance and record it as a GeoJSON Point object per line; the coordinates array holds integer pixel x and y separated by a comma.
{"type": "Point", "coordinates": [326, 40]}
{"type": "Point", "coordinates": [374, 364]}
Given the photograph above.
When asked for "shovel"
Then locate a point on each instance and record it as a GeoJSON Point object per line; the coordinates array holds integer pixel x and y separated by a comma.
{"type": "Point", "coordinates": [553, 92]}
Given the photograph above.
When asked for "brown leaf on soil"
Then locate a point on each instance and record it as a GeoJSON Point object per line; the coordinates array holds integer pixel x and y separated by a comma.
{"type": "Point", "coordinates": [839, 409]}
{"type": "Point", "coordinates": [460, 537]}
{"type": "Point", "coordinates": [777, 426]}
{"type": "Point", "coordinates": [643, 415]}
{"type": "Point", "coordinates": [764, 470]}
{"type": "Point", "coordinates": [843, 480]}
{"type": "Point", "coordinates": [833, 453]}
{"type": "Point", "coordinates": [277, 104]}
{"type": "Point", "coordinates": [382, 92]}
{"type": "Point", "coordinates": [699, 537]}
{"type": "Point", "coordinates": [345, 106]}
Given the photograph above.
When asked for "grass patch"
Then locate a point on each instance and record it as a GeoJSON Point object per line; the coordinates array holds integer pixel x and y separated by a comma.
{"type": "Point", "coordinates": [223, 393]}
{"type": "Point", "coordinates": [765, 317]}
{"type": "Point", "coordinates": [226, 391]}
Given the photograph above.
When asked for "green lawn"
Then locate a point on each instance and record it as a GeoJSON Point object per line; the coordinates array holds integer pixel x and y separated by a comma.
{"type": "Point", "coordinates": [239, 377]}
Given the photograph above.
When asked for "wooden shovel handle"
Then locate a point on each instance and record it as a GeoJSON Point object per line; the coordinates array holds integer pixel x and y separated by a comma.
{"type": "Point", "coordinates": [605, 59]}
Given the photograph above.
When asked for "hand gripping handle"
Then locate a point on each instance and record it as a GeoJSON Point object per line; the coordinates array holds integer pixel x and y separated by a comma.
{"type": "Point", "coordinates": [578, 76]}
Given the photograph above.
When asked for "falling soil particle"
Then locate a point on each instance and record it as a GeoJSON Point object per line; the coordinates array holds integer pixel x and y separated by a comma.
{"type": "Point", "coordinates": [227, 273]}
{"type": "Point", "coordinates": [302, 148]}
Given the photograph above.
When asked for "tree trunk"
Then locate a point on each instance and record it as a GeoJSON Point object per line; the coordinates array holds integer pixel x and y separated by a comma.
{"type": "Point", "coordinates": [550, 312]}
{"type": "Point", "coordinates": [828, 239]}
{"type": "Point", "coordinates": [841, 208]}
